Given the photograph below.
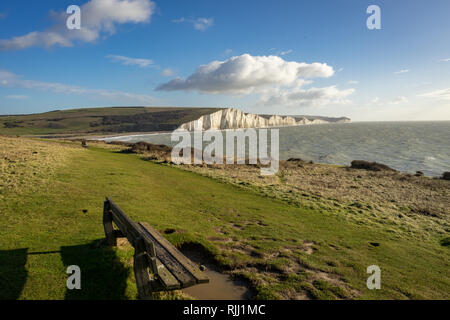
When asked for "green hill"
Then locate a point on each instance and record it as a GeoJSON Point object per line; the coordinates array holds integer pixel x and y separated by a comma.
{"type": "Point", "coordinates": [100, 120]}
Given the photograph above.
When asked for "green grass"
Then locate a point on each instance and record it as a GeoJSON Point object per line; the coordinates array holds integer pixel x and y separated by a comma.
{"type": "Point", "coordinates": [44, 231]}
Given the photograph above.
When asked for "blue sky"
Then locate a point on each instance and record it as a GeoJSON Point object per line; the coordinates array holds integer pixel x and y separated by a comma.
{"type": "Point", "coordinates": [280, 57]}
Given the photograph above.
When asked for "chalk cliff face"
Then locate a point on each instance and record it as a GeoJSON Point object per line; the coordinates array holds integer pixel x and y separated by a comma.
{"type": "Point", "coordinates": [236, 119]}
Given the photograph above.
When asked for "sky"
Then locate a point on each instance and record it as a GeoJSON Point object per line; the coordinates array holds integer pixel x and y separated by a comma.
{"type": "Point", "coordinates": [269, 57]}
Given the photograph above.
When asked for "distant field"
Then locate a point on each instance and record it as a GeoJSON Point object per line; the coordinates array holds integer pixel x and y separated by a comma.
{"type": "Point", "coordinates": [100, 120]}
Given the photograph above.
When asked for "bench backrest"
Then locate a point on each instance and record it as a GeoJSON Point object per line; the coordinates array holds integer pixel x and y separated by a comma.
{"type": "Point", "coordinates": [167, 263]}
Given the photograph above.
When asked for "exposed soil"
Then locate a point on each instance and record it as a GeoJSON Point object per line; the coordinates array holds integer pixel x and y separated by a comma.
{"type": "Point", "coordinates": [221, 286]}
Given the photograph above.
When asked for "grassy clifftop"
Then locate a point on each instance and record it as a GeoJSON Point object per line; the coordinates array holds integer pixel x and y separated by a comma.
{"type": "Point", "coordinates": [51, 196]}
{"type": "Point", "coordinates": [101, 120]}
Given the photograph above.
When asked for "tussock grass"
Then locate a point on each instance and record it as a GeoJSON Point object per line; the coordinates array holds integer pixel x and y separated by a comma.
{"type": "Point", "coordinates": [407, 205]}
{"type": "Point", "coordinates": [26, 164]}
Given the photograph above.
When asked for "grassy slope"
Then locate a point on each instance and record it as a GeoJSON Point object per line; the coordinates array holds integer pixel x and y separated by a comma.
{"type": "Point", "coordinates": [100, 120]}
{"type": "Point", "coordinates": [44, 231]}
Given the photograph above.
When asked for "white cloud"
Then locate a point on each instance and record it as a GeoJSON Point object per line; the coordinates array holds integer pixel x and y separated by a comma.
{"type": "Point", "coordinates": [438, 94]}
{"type": "Point", "coordinates": [399, 100]}
{"type": "Point", "coordinates": [283, 53]}
{"type": "Point", "coordinates": [9, 79]}
{"type": "Point", "coordinates": [340, 69]}
{"type": "Point", "coordinates": [298, 97]}
{"type": "Point", "coordinates": [375, 100]}
{"type": "Point", "coordinates": [203, 23]}
{"type": "Point", "coordinates": [167, 72]}
{"type": "Point", "coordinates": [402, 71]}
{"type": "Point", "coordinates": [353, 82]}
{"type": "Point", "coordinates": [246, 74]}
{"type": "Point", "coordinates": [199, 24]}
{"type": "Point", "coordinates": [98, 18]}
{"type": "Point", "coordinates": [445, 60]}
{"type": "Point", "coordinates": [17, 97]}
{"type": "Point", "coordinates": [130, 61]}
{"type": "Point", "coordinates": [44, 39]}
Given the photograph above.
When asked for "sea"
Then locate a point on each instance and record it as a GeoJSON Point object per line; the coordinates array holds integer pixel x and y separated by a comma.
{"type": "Point", "coordinates": [404, 146]}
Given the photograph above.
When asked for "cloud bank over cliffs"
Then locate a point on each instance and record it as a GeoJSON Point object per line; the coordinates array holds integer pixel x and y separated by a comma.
{"type": "Point", "coordinates": [277, 82]}
{"type": "Point", "coordinates": [245, 74]}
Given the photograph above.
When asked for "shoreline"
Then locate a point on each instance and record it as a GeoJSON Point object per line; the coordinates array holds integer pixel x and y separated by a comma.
{"type": "Point", "coordinates": [332, 143]}
{"type": "Point", "coordinates": [286, 158]}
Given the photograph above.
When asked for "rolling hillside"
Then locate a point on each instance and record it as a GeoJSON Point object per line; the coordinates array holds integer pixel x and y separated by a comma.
{"type": "Point", "coordinates": [100, 120]}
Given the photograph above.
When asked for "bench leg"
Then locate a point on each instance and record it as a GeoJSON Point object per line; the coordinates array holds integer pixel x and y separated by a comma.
{"type": "Point", "coordinates": [108, 226]}
{"type": "Point", "coordinates": [140, 271]}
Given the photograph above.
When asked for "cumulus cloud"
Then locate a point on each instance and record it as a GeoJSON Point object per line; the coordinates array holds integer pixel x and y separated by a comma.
{"type": "Point", "coordinates": [130, 61]}
{"type": "Point", "coordinates": [9, 79]}
{"type": "Point", "coordinates": [99, 18]}
{"type": "Point", "coordinates": [245, 74]}
{"type": "Point", "coordinates": [199, 24]}
{"type": "Point", "coordinates": [402, 71]}
{"type": "Point", "coordinates": [445, 60]}
{"type": "Point", "coordinates": [438, 94]}
{"type": "Point", "coordinates": [298, 97]}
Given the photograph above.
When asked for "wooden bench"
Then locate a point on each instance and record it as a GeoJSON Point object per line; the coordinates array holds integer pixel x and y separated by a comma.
{"type": "Point", "coordinates": [170, 269]}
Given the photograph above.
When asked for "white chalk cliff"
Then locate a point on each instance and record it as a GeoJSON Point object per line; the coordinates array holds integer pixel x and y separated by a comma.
{"type": "Point", "coordinates": [236, 119]}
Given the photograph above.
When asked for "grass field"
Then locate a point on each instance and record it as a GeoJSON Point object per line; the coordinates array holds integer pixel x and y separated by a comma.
{"type": "Point", "coordinates": [51, 198]}
{"type": "Point", "coordinates": [100, 120]}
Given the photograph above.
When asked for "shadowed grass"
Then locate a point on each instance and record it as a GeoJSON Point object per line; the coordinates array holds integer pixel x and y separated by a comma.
{"type": "Point", "coordinates": [104, 276]}
{"type": "Point", "coordinates": [12, 273]}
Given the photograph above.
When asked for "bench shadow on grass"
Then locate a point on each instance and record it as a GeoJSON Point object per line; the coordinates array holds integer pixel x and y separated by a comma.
{"type": "Point", "coordinates": [103, 275]}
{"type": "Point", "coordinates": [13, 274]}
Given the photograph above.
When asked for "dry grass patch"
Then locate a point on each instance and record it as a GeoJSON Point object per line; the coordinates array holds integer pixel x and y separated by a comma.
{"type": "Point", "coordinates": [416, 205]}
{"type": "Point", "coordinates": [25, 164]}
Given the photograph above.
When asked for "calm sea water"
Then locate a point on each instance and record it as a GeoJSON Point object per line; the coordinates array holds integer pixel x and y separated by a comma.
{"type": "Point", "coordinates": [405, 146]}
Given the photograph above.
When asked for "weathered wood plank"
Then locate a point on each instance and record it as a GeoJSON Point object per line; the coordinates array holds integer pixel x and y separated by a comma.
{"type": "Point", "coordinates": [123, 222]}
{"type": "Point", "coordinates": [169, 250]}
{"type": "Point", "coordinates": [152, 250]}
{"type": "Point", "coordinates": [175, 267]}
{"type": "Point", "coordinates": [141, 271]}
{"type": "Point", "coordinates": [119, 234]}
{"type": "Point", "coordinates": [108, 226]}
{"type": "Point", "coordinates": [167, 279]}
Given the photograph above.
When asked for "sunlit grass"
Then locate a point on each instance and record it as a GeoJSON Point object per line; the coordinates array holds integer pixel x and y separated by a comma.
{"type": "Point", "coordinates": [283, 250]}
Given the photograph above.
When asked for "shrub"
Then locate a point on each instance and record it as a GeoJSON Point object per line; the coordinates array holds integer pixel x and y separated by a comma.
{"type": "Point", "coordinates": [372, 166]}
